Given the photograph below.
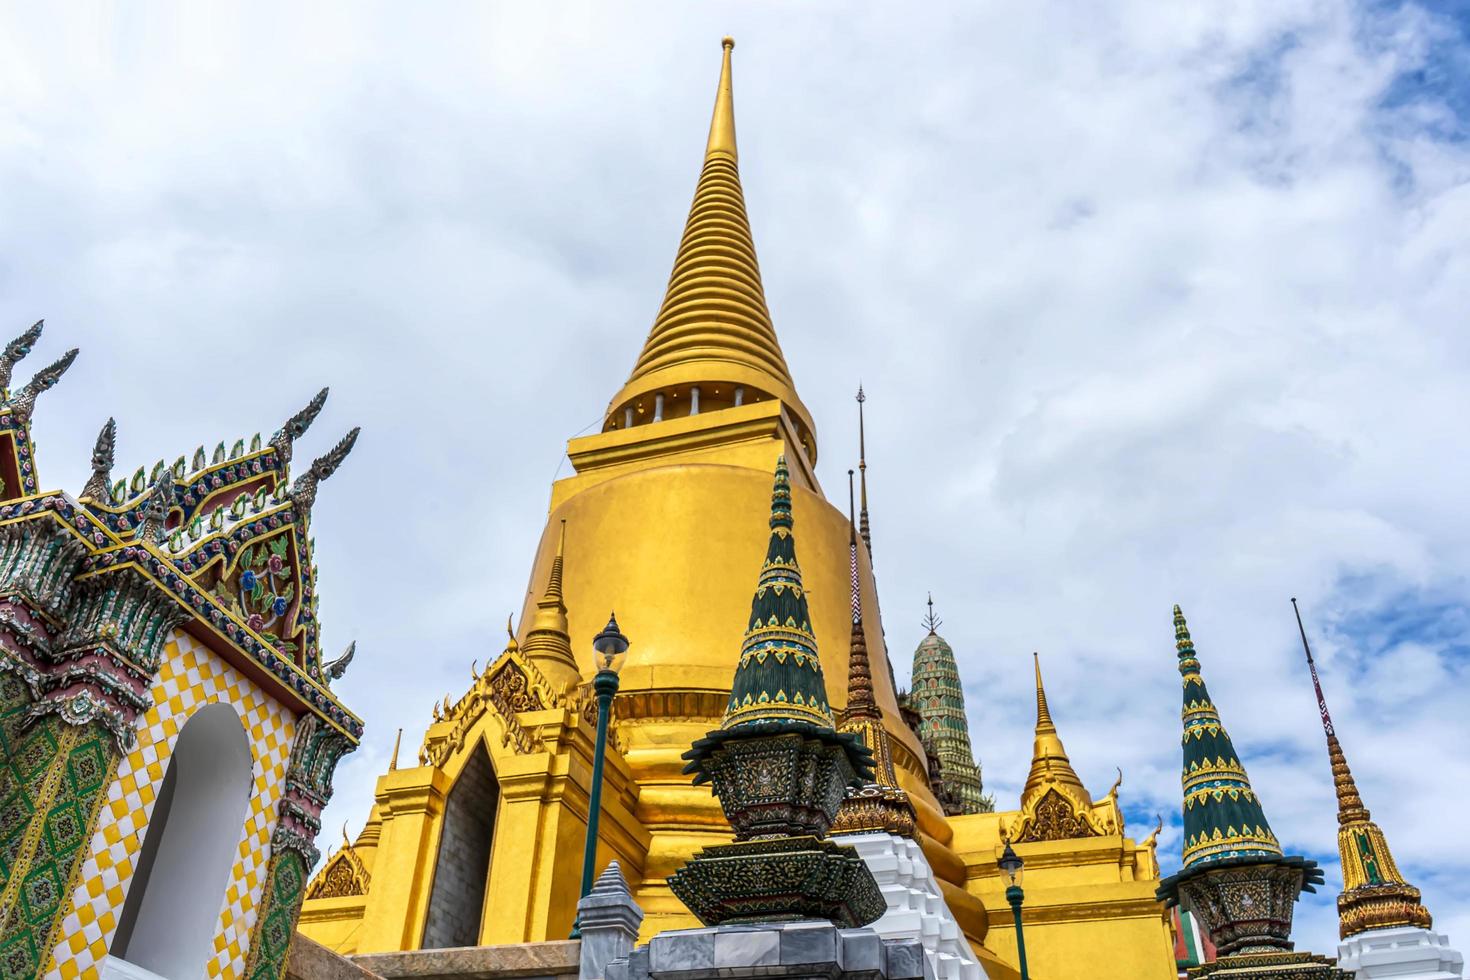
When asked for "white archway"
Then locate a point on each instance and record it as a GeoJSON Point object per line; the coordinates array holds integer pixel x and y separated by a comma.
{"type": "Point", "coordinates": [178, 887]}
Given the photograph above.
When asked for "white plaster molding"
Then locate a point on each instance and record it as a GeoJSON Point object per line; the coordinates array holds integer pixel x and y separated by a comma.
{"type": "Point", "coordinates": [916, 906]}
{"type": "Point", "coordinates": [1403, 954]}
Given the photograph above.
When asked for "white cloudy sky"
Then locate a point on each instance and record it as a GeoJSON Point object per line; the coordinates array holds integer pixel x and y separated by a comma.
{"type": "Point", "coordinates": [1154, 303]}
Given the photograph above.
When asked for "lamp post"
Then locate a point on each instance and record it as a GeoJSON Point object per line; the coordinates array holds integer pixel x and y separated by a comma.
{"type": "Point", "coordinates": [609, 645]}
{"type": "Point", "coordinates": [1011, 865]}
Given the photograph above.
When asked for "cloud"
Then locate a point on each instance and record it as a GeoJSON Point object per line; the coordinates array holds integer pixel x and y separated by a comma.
{"type": "Point", "coordinates": [1153, 304]}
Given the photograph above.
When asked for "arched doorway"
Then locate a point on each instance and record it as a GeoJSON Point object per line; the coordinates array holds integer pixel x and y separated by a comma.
{"type": "Point", "coordinates": [457, 900]}
{"type": "Point", "coordinates": [182, 872]}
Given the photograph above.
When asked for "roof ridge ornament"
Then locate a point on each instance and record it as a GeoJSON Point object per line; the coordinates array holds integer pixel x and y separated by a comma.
{"type": "Point", "coordinates": [155, 511]}
{"type": "Point", "coordinates": [303, 491]}
{"type": "Point", "coordinates": [15, 351]}
{"type": "Point", "coordinates": [45, 379]}
{"type": "Point", "coordinates": [295, 427]}
{"type": "Point", "coordinates": [336, 668]}
{"type": "Point", "coordinates": [99, 484]}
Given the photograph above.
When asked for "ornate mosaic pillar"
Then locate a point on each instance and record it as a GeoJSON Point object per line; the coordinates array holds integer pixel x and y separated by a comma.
{"type": "Point", "coordinates": [314, 758]}
{"type": "Point", "coordinates": [84, 686]}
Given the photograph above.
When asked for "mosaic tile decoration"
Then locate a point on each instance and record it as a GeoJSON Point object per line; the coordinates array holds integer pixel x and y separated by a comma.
{"type": "Point", "coordinates": [286, 882]}
{"type": "Point", "coordinates": [190, 678]}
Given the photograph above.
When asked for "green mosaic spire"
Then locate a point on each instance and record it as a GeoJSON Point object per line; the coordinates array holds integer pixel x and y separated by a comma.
{"type": "Point", "coordinates": [939, 698]}
{"type": "Point", "coordinates": [779, 677]}
{"type": "Point", "coordinates": [1222, 815]}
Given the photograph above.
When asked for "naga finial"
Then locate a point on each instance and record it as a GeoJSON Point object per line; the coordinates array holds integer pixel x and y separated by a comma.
{"type": "Point", "coordinates": [17, 349]}
{"type": "Point", "coordinates": [296, 427]}
{"type": "Point", "coordinates": [338, 667]}
{"type": "Point", "coordinates": [155, 511]}
{"type": "Point", "coordinates": [1116, 783]}
{"type": "Point", "coordinates": [24, 401]}
{"type": "Point", "coordinates": [303, 491]}
{"type": "Point", "coordinates": [99, 484]}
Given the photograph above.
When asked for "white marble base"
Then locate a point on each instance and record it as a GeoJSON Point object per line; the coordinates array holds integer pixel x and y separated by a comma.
{"type": "Point", "coordinates": [916, 906]}
{"type": "Point", "coordinates": [1402, 954]}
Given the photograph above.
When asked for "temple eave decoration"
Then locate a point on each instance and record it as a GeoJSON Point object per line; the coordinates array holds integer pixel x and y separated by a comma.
{"type": "Point", "coordinates": [1055, 805]}
{"type": "Point", "coordinates": [125, 612]}
{"type": "Point", "coordinates": [226, 543]}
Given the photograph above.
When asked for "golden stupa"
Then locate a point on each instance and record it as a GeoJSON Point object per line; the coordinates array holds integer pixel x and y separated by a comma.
{"type": "Point", "coordinates": [664, 521]}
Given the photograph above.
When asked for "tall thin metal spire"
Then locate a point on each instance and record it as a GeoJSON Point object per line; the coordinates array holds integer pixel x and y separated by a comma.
{"type": "Point", "coordinates": [931, 622]}
{"type": "Point", "coordinates": [1312, 666]}
{"type": "Point", "coordinates": [1375, 894]}
{"type": "Point", "coordinates": [863, 474]}
{"type": "Point", "coordinates": [852, 567]}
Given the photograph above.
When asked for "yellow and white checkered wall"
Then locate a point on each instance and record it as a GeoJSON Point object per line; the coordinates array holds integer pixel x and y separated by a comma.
{"type": "Point", "coordinates": [191, 677]}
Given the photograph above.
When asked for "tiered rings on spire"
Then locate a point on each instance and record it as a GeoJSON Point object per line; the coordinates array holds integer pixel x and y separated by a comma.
{"type": "Point", "coordinates": [779, 676]}
{"type": "Point", "coordinates": [1235, 878]}
{"type": "Point", "coordinates": [1222, 816]}
{"type": "Point", "coordinates": [713, 331]}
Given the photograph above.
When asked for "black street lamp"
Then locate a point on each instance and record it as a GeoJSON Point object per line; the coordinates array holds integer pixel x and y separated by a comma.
{"type": "Point", "coordinates": [610, 645]}
{"type": "Point", "coordinates": [1011, 866]}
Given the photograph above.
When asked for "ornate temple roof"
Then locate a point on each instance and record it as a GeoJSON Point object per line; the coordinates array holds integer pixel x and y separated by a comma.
{"type": "Point", "coordinates": [225, 535]}
{"type": "Point", "coordinates": [1374, 894]}
{"type": "Point", "coordinates": [1055, 805]}
{"type": "Point", "coordinates": [1223, 819]}
{"type": "Point", "coordinates": [939, 698]}
{"type": "Point", "coordinates": [713, 328]}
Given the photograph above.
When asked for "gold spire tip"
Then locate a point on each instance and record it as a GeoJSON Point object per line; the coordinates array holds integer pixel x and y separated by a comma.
{"type": "Point", "coordinates": [1043, 713]}
{"type": "Point", "coordinates": [728, 42]}
{"type": "Point", "coordinates": [722, 124]}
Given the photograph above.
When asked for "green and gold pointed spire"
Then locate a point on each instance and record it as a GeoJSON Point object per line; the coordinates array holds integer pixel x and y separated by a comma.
{"type": "Point", "coordinates": [1234, 878]}
{"type": "Point", "coordinates": [1223, 819]}
{"type": "Point", "coordinates": [779, 677]}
